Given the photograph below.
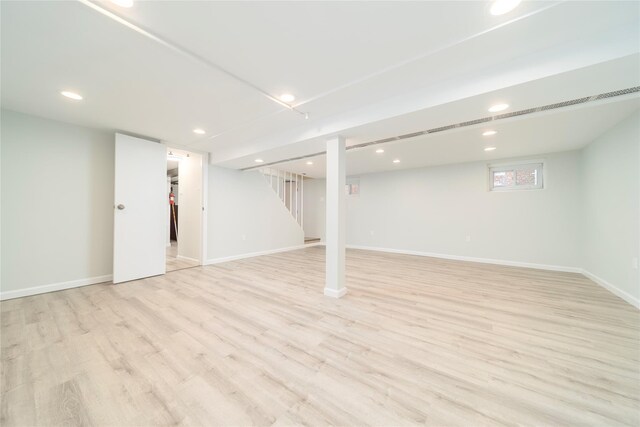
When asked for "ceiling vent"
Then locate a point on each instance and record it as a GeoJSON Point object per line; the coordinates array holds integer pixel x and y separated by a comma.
{"type": "Point", "coordinates": [555, 106]}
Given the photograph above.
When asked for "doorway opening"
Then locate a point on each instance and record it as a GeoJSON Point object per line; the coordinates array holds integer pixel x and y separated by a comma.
{"type": "Point", "coordinates": [184, 209]}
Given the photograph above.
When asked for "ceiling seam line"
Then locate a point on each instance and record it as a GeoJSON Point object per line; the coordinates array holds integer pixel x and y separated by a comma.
{"type": "Point", "coordinates": [427, 54]}
{"type": "Point", "coordinates": [185, 52]}
{"type": "Point", "coordinates": [396, 66]}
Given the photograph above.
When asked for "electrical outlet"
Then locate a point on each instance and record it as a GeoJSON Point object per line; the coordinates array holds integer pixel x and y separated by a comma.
{"type": "Point", "coordinates": [244, 237]}
{"type": "Point", "coordinates": [372, 232]}
{"type": "Point", "coordinates": [468, 239]}
{"type": "Point", "coordinates": [634, 263]}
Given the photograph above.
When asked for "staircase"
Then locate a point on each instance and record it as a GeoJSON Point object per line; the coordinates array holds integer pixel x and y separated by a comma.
{"type": "Point", "coordinates": [290, 190]}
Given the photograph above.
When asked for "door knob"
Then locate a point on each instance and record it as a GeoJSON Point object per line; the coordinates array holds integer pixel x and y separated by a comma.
{"type": "Point", "coordinates": [120, 206]}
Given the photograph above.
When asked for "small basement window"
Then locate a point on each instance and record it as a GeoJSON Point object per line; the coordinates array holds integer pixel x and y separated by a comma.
{"type": "Point", "coordinates": [520, 176]}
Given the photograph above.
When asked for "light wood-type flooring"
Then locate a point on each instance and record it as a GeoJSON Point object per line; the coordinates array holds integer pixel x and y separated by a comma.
{"type": "Point", "coordinates": [254, 342]}
{"type": "Point", "coordinates": [174, 263]}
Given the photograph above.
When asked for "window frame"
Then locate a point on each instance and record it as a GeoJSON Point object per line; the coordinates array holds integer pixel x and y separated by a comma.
{"type": "Point", "coordinates": [538, 164]}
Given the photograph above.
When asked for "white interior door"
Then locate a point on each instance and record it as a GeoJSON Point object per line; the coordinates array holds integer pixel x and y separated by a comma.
{"type": "Point", "coordinates": [139, 209]}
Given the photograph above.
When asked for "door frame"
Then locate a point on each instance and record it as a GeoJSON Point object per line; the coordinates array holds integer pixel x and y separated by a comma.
{"type": "Point", "coordinates": [205, 200]}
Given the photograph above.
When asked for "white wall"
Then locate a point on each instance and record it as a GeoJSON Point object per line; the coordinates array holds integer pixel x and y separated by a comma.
{"type": "Point", "coordinates": [57, 203]}
{"type": "Point", "coordinates": [314, 208]}
{"type": "Point", "coordinates": [245, 216]}
{"type": "Point", "coordinates": [57, 208]}
{"type": "Point", "coordinates": [434, 209]}
{"type": "Point", "coordinates": [190, 207]}
{"type": "Point", "coordinates": [611, 183]}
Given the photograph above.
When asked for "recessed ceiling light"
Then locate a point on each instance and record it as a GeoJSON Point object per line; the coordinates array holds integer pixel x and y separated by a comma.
{"type": "Point", "coordinates": [379, 151]}
{"type": "Point", "coordinates": [199, 131]}
{"type": "Point", "coordinates": [498, 107]}
{"type": "Point", "coordinates": [489, 133]}
{"type": "Point", "coordinates": [396, 161]}
{"type": "Point", "coordinates": [123, 3]}
{"type": "Point", "coordinates": [258, 160]}
{"type": "Point", "coordinates": [71, 95]}
{"type": "Point", "coordinates": [287, 97]}
{"type": "Point", "coordinates": [489, 148]}
{"type": "Point", "coordinates": [500, 7]}
{"type": "Point", "coordinates": [309, 163]}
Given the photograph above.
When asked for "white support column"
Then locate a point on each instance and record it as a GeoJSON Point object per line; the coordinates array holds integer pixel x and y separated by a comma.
{"type": "Point", "coordinates": [336, 220]}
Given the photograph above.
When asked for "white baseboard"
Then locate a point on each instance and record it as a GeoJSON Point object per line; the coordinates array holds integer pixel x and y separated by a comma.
{"type": "Point", "coordinates": [35, 290]}
{"type": "Point", "coordinates": [333, 293]}
{"type": "Point", "coordinates": [613, 289]}
{"type": "Point", "coordinates": [261, 253]}
{"type": "Point", "coordinates": [186, 258]}
{"type": "Point", "coordinates": [472, 259]}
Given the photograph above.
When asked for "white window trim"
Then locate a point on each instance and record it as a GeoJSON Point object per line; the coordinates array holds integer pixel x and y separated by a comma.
{"type": "Point", "coordinates": [516, 163]}
{"type": "Point", "coordinates": [505, 166]}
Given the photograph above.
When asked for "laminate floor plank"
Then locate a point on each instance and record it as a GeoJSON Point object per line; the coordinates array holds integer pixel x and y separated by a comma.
{"type": "Point", "coordinates": [416, 341]}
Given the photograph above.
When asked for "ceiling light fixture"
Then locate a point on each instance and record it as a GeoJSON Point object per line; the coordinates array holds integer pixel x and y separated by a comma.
{"type": "Point", "coordinates": [123, 3]}
{"type": "Point", "coordinates": [71, 95]}
{"type": "Point", "coordinates": [259, 161]}
{"type": "Point", "coordinates": [489, 148]}
{"type": "Point", "coordinates": [498, 107]}
{"type": "Point", "coordinates": [489, 133]}
{"type": "Point", "coordinates": [309, 163]}
{"type": "Point", "coordinates": [287, 97]}
{"type": "Point", "coordinates": [500, 7]}
{"type": "Point", "coordinates": [396, 161]}
{"type": "Point", "coordinates": [199, 131]}
{"type": "Point", "coordinates": [379, 151]}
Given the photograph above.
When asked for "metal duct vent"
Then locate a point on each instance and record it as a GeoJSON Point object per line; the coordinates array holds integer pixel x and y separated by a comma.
{"type": "Point", "coordinates": [618, 93]}
{"type": "Point", "coordinates": [555, 106]}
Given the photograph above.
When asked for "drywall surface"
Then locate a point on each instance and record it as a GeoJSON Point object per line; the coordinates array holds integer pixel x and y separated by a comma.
{"type": "Point", "coordinates": [245, 216]}
{"type": "Point", "coordinates": [448, 210]}
{"type": "Point", "coordinates": [611, 188]}
{"type": "Point", "coordinates": [57, 203]}
{"type": "Point", "coordinates": [314, 208]}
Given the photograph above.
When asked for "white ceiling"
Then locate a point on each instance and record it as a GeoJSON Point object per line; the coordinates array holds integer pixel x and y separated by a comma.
{"type": "Point", "coordinates": [556, 88]}
{"type": "Point", "coordinates": [529, 135]}
{"type": "Point", "coordinates": [362, 69]}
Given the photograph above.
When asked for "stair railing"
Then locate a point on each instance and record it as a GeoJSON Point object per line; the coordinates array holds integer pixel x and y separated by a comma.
{"type": "Point", "coordinates": [289, 187]}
